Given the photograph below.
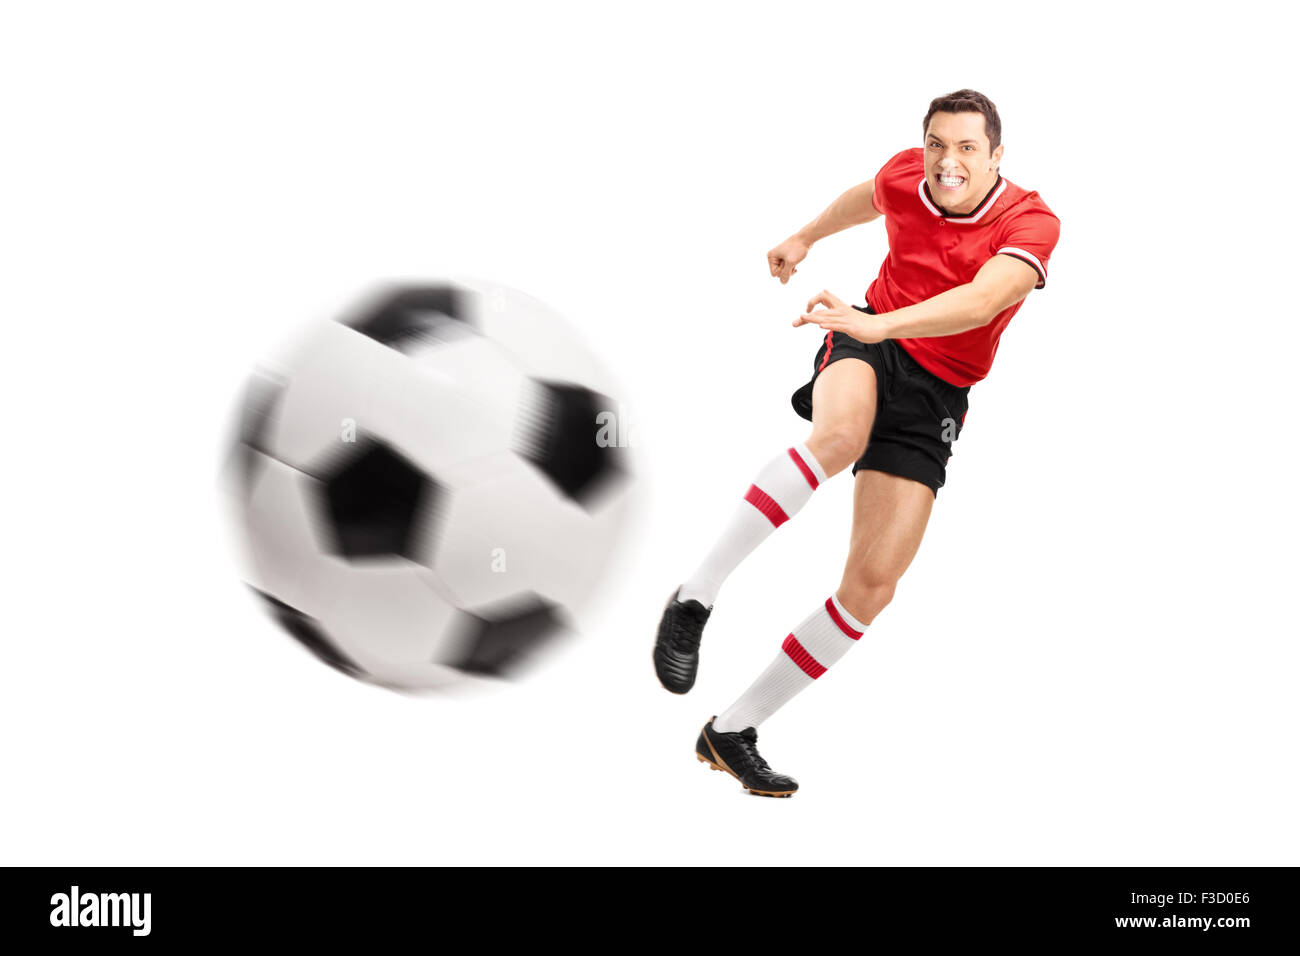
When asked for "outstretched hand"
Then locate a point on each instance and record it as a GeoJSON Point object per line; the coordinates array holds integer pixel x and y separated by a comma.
{"type": "Point", "coordinates": [839, 316]}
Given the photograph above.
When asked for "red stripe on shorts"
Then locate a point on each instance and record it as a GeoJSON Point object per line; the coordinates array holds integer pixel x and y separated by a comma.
{"type": "Point", "coordinates": [839, 621]}
{"type": "Point", "coordinates": [799, 654]}
{"type": "Point", "coordinates": [803, 466]}
{"type": "Point", "coordinates": [761, 500]}
{"type": "Point", "coordinates": [827, 357]}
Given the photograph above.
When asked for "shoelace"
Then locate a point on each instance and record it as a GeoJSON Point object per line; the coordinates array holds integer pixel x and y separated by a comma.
{"type": "Point", "coordinates": [750, 748]}
{"type": "Point", "coordinates": [683, 640]}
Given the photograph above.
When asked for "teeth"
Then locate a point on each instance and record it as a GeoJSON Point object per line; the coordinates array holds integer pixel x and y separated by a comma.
{"type": "Point", "coordinates": [951, 181]}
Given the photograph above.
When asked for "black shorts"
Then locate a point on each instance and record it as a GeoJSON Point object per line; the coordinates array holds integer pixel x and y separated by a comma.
{"type": "Point", "coordinates": [918, 414]}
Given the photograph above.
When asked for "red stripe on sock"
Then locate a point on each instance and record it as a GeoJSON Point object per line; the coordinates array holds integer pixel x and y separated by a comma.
{"type": "Point", "coordinates": [761, 500]}
{"type": "Point", "coordinates": [827, 357]}
{"type": "Point", "coordinates": [803, 466]}
{"type": "Point", "coordinates": [799, 654]}
{"type": "Point", "coordinates": [839, 621]}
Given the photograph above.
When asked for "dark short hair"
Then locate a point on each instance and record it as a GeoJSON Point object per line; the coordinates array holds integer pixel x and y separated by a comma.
{"type": "Point", "coordinates": [968, 101]}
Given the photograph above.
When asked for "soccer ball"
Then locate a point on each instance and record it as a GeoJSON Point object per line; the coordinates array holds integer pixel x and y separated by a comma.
{"type": "Point", "coordinates": [429, 487]}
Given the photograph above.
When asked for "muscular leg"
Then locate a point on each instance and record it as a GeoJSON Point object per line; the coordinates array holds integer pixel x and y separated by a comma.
{"type": "Point", "coordinates": [844, 407]}
{"type": "Point", "coordinates": [889, 517]}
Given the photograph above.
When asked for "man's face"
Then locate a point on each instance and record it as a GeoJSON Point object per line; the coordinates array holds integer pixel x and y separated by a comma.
{"type": "Point", "coordinates": [958, 165]}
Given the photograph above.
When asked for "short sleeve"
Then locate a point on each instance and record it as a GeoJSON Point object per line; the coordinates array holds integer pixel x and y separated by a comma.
{"type": "Point", "coordinates": [883, 183]}
{"type": "Point", "coordinates": [878, 191]}
{"type": "Point", "coordinates": [1031, 237]}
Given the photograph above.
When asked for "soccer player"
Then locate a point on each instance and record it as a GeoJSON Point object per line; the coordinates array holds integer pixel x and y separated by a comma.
{"type": "Point", "coordinates": [965, 248]}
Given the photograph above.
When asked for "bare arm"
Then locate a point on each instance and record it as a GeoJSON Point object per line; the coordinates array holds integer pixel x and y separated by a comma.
{"type": "Point", "coordinates": [1000, 283]}
{"type": "Point", "coordinates": [852, 208]}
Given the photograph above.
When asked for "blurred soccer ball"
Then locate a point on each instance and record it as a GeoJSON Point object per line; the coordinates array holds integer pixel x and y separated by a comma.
{"type": "Point", "coordinates": [430, 487]}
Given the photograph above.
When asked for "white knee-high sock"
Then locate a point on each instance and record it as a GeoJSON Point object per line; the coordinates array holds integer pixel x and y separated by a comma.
{"type": "Point", "coordinates": [821, 640]}
{"type": "Point", "coordinates": [781, 489]}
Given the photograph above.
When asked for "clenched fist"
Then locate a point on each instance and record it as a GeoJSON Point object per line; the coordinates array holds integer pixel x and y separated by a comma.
{"type": "Point", "coordinates": [782, 260]}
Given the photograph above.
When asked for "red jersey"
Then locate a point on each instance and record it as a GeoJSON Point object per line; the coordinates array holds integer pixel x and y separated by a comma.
{"type": "Point", "coordinates": [931, 252]}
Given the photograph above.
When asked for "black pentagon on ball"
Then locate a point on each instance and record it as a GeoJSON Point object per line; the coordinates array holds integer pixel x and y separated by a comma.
{"type": "Point", "coordinates": [308, 632]}
{"type": "Point", "coordinates": [406, 318]}
{"type": "Point", "coordinates": [500, 641]}
{"type": "Point", "coordinates": [376, 502]}
{"type": "Point", "coordinates": [560, 435]}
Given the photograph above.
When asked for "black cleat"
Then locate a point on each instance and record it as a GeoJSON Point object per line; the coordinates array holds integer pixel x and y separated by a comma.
{"type": "Point", "coordinates": [737, 754]}
{"type": "Point", "coordinates": [677, 648]}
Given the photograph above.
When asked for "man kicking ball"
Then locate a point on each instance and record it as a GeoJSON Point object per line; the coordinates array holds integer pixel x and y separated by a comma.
{"type": "Point", "coordinates": [965, 248]}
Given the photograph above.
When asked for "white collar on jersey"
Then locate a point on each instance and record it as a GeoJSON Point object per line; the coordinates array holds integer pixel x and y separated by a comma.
{"type": "Point", "coordinates": [999, 187]}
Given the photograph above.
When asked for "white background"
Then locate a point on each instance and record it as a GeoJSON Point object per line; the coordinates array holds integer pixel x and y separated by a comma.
{"type": "Point", "coordinates": [1092, 659]}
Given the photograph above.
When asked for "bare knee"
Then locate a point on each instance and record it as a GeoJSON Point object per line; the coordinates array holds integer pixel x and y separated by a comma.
{"type": "Point", "coordinates": [864, 595]}
{"type": "Point", "coordinates": [837, 446]}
